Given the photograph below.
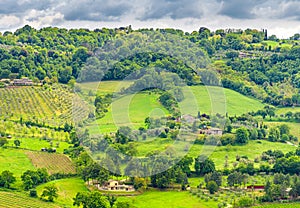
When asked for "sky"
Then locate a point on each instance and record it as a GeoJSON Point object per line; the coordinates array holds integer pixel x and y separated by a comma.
{"type": "Point", "coordinates": [280, 17]}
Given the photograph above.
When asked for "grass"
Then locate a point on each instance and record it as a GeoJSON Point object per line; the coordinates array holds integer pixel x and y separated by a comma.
{"type": "Point", "coordinates": [252, 150]}
{"type": "Point", "coordinates": [293, 205]}
{"type": "Point", "coordinates": [214, 100]}
{"type": "Point", "coordinates": [38, 144]}
{"type": "Point", "coordinates": [54, 163]}
{"type": "Point", "coordinates": [133, 109]}
{"type": "Point", "coordinates": [170, 199]}
{"type": "Point", "coordinates": [15, 161]}
{"type": "Point", "coordinates": [294, 127]}
{"type": "Point", "coordinates": [129, 110]}
{"type": "Point", "coordinates": [104, 87]}
{"type": "Point", "coordinates": [19, 200]}
{"type": "Point", "coordinates": [282, 111]}
{"type": "Point", "coordinates": [67, 190]}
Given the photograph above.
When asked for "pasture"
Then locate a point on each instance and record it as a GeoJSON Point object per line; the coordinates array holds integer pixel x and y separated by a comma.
{"type": "Point", "coordinates": [170, 199]}
{"type": "Point", "coordinates": [67, 190]}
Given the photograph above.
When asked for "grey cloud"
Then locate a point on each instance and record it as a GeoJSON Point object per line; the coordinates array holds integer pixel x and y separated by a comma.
{"type": "Point", "coordinates": [94, 10]}
{"type": "Point", "coordinates": [175, 9]}
{"type": "Point", "coordinates": [239, 9]}
{"type": "Point", "coordinates": [20, 7]}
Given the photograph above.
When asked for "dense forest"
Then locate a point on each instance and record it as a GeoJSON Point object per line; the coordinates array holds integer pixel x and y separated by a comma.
{"type": "Point", "coordinates": [249, 61]}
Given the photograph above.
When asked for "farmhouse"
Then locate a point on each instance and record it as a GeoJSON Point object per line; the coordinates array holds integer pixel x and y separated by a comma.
{"type": "Point", "coordinates": [22, 82]}
{"type": "Point", "coordinates": [212, 131]}
{"type": "Point", "coordinates": [113, 185]}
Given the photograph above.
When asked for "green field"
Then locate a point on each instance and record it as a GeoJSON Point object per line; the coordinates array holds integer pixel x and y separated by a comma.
{"type": "Point", "coordinates": [214, 100]}
{"type": "Point", "coordinates": [282, 111]}
{"type": "Point", "coordinates": [217, 154]}
{"type": "Point", "coordinates": [170, 199]}
{"type": "Point", "coordinates": [16, 161]}
{"type": "Point", "coordinates": [294, 205]}
{"type": "Point", "coordinates": [129, 110]}
{"type": "Point", "coordinates": [18, 200]}
{"type": "Point", "coordinates": [133, 109]}
{"type": "Point", "coordinates": [67, 190]}
{"type": "Point", "coordinates": [294, 127]}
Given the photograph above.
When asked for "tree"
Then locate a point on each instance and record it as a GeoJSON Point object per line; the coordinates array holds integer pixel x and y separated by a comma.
{"type": "Point", "coordinates": [50, 192]}
{"type": "Point", "coordinates": [3, 141]}
{"type": "Point", "coordinates": [6, 179]}
{"type": "Point", "coordinates": [212, 187]}
{"type": "Point", "coordinates": [245, 202]}
{"type": "Point", "coordinates": [242, 135]}
{"type": "Point", "coordinates": [17, 143]}
{"type": "Point", "coordinates": [204, 165]}
{"type": "Point", "coordinates": [274, 134]}
{"type": "Point", "coordinates": [91, 200]}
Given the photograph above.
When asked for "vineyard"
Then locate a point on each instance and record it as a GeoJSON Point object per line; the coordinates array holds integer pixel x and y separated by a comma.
{"type": "Point", "coordinates": [13, 200]}
{"type": "Point", "coordinates": [54, 163]}
{"type": "Point", "coordinates": [54, 105]}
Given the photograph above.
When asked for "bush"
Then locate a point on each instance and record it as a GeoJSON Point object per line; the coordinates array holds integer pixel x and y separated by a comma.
{"type": "Point", "coordinates": [212, 186]}
{"type": "Point", "coordinates": [33, 193]}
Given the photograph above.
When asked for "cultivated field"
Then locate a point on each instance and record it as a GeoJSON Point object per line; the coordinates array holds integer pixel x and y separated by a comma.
{"type": "Point", "coordinates": [53, 106]}
{"type": "Point", "coordinates": [17, 200]}
{"type": "Point", "coordinates": [54, 163]}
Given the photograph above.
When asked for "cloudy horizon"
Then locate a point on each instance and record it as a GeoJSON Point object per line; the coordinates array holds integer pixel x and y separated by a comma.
{"type": "Point", "coordinates": [280, 17]}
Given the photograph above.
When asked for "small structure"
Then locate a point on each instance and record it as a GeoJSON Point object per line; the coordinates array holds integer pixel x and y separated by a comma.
{"type": "Point", "coordinates": [22, 82]}
{"type": "Point", "coordinates": [113, 185]}
{"type": "Point", "coordinates": [212, 131]}
{"type": "Point", "coordinates": [188, 118]}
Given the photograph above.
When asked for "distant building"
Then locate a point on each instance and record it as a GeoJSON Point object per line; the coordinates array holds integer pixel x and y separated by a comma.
{"type": "Point", "coordinates": [22, 82]}
{"type": "Point", "coordinates": [113, 185]}
{"type": "Point", "coordinates": [212, 131]}
{"type": "Point", "coordinates": [188, 118]}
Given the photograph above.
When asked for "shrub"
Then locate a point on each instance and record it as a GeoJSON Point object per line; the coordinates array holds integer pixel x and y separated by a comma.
{"type": "Point", "coordinates": [33, 193]}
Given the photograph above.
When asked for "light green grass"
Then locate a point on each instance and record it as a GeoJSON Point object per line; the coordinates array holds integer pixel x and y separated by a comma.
{"type": "Point", "coordinates": [294, 127]}
{"type": "Point", "coordinates": [67, 190]}
{"type": "Point", "coordinates": [38, 144]}
{"type": "Point", "coordinates": [129, 110]}
{"type": "Point", "coordinates": [15, 161]}
{"type": "Point", "coordinates": [169, 199]}
{"type": "Point", "coordinates": [252, 150]}
{"type": "Point", "coordinates": [214, 100]}
{"type": "Point", "coordinates": [282, 111]}
{"type": "Point", "coordinates": [19, 200]}
{"type": "Point", "coordinates": [132, 110]}
{"type": "Point", "coordinates": [104, 87]}
{"type": "Point", "coordinates": [293, 205]}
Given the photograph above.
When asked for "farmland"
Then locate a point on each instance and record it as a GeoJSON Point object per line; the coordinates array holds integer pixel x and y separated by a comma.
{"type": "Point", "coordinates": [18, 200]}
{"type": "Point", "coordinates": [53, 106]}
{"type": "Point", "coordinates": [54, 163]}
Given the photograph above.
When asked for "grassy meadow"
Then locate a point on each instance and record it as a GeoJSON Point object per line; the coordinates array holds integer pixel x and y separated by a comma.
{"type": "Point", "coordinates": [67, 190]}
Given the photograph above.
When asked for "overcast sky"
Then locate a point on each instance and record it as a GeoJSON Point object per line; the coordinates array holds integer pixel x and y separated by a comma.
{"type": "Point", "coordinates": [280, 17]}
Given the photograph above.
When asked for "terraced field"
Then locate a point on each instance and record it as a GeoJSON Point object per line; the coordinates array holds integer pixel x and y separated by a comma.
{"type": "Point", "coordinates": [54, 163]}
{"type": "Point", "coordinates": [17, 200]}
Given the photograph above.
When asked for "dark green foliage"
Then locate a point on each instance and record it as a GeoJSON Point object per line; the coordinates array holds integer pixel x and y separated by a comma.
{"type": "Point", "coordinates": [91, 200]}
{"type": "Point", "coordinates": [204, 165]}
{"type": "Point", "coordinates": [6, 179]}
{"type": "Point", "coordinates": [242, 135]}
{"type": "Point", "coordinates": [212, 187]}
